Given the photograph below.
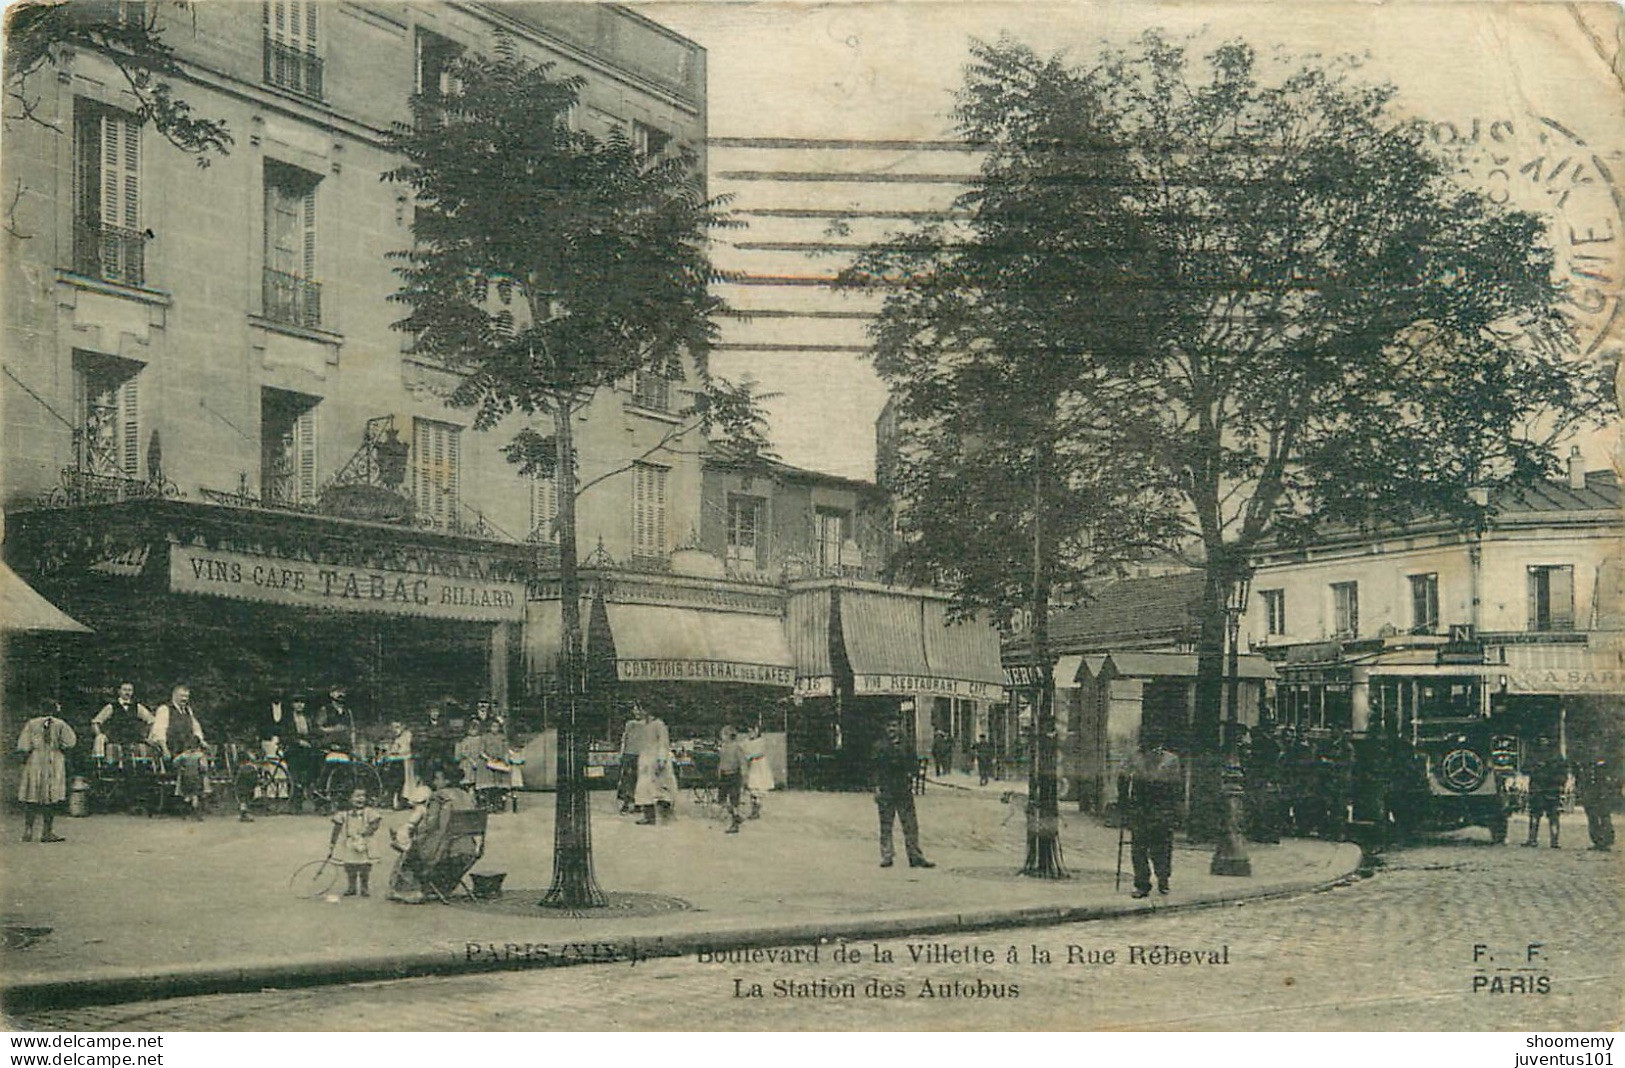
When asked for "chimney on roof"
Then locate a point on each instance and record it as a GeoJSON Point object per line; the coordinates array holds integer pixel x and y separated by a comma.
{"type": "Point", "coordinates": [1577, 469]}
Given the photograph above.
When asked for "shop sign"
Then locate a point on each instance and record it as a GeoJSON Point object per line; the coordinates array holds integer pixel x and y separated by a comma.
{"type": "Point", "coordinates": [927, 684]}
{"type": "Point", "coordinates": [655, 670]}
{"type": "Point", "coordinates": [815, 686]}
{"type": "Point", "coordinates": [298, 583]}
{"type": "Point", "coordinates": [1597, 680]}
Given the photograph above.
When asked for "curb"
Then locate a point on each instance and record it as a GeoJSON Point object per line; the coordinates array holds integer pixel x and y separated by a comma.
{"type": "Point", "coordinates": [126, 985]}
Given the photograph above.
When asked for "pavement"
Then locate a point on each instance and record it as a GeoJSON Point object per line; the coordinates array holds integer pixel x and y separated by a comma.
{"type": "Point", "coordinates": [130, 908]}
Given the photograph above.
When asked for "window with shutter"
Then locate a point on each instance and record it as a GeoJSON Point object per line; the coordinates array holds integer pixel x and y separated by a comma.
{"type": "Point", "coordinates": [109, 242]}
{"type": "Point", "coordinates": [1346, 609]}
{"type": "Point", "coordinates": [109, 415]}
{"type": "Point", "coordinates": [292, 60]}
{"type": "Point", "coordinates": [544, 509]}
{"type": "Point", "coordinates": [291, 293]}
{"type": "Point", "coordinates": [649, 511]}
{"type": "Point", "coordinates": [1425, 603]}
{"type": "Point", "coordinates": [287, 447]}
{"type": "Point", "coordinates": [832, 528]}
{"type": "Point", "coordinates": [1551, 597]}
{"type": "Point", "coordinates": [435, 471]}
{"type": "Point", "coordinates": [744, 548]}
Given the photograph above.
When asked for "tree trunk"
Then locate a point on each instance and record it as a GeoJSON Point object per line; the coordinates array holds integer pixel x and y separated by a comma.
{"type": "Point", "coordinates": [1043, 789]}
{"type": "Point", "coordinates": [573, 884]}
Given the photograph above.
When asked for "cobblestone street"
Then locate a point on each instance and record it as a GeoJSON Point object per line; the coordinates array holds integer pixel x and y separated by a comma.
{"type": "Point", "coordinates": [1396, 951]}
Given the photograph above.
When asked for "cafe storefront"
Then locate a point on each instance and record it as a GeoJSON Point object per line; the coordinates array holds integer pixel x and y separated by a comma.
{"type": "Point", "coordinates": [243, 603]}
{"type": "Point", "coordinates": [699, 652]}
{"type": "Point", "coordinates": [866, 653]}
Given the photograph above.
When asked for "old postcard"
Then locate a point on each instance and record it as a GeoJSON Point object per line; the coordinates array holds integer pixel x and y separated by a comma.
{"type": "Point", "coordinates": [791, 516]}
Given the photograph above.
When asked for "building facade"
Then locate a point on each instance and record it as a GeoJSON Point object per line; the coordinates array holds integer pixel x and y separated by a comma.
{"type": "Point", "coordinates": [1521, 620]}
{"type": "Point", "coordinates": [218, 452]}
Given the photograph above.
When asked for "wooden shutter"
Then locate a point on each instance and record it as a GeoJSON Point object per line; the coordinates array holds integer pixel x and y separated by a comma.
{"type": "Point", "coordinates": [120, 171]}
{"type": "Point", "coordinates": [544, 507]}
{"type": "Point", "coordinates": [1561, 597]}
{"type": "Point", "coordinates": [304, 449]}
{"type": "Point", "coordinates": [129, 445]}
{"type": "Point", "coordinates": [308, 221]}
{"type": "Point", "coordinates": [435, 470]}
{"type": "Point", "coordinates": [292, 23]}
{"type": "Point", "coordinates": [87, 164]}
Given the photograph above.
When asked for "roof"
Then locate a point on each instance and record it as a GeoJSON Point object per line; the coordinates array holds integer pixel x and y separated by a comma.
{"type": "Point", "coordinates": [1179, 665]}
{"type": "Point", "coordinates": [722, 457]}
{"type": "Point", "coordinates": [1601, 493]}
{"type": "Point", "coordinates": [1127, 613]}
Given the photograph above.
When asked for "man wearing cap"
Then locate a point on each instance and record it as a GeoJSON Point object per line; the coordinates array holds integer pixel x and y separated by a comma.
{"type": "Point", "coordinates": [335, 722]}
{"type": "Point", "coordinates": [894, 766]}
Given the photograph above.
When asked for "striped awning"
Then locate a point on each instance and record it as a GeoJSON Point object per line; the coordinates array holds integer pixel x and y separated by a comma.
{"type": "Point", "coordinates": [662, 643]}
{"type": "Point", "coordinates": [1565, 669]}
{"type": "Point", "coordinates": [24, 611]}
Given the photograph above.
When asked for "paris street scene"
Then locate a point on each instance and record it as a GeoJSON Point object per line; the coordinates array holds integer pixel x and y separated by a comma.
{"type": "Point", "coordinates": [698, 516]}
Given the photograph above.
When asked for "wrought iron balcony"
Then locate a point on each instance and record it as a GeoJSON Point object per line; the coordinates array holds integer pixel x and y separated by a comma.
{"type": "Point", "coordinates": [110, 253]}
{"type": "Point", "coordinates": [293, 69]}
{"type": "Point", "coordinates": [292, 300]}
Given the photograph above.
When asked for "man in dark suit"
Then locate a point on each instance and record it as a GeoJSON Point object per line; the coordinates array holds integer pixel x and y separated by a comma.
{"type": "Point", "coordinates": [1151, 794]}
{"type": "Point", "coordinates": [895, 765]}
{"type": "Point", "coordinates": [1546, 782]}
{"type": "Point", "coordinates": [1598, 792]}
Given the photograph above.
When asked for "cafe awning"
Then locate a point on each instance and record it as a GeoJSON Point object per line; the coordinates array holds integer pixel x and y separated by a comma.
{"type": "Point", "coordinates": [1564, 669]}
{"type": "Point", "coordinates": [902, 643]}
{"type": "Point", "coordinates": [24, 611]}
{"type": "Point", "coordinates": [662, 643]}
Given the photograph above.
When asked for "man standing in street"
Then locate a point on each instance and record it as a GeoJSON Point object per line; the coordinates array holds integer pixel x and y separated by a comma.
{"type": "Point", "coordinates": [895, 766]}
{"type": "Point", "coordinates": [984, 759]}
{"type": "Point", "coordinates": [1598, 791]}
{"type": "Point", "coordinates": [335, 722]}
{"type": "Point", "coordinates": [1546, 781]}
{"type": "Point", "coordinates": [1149, 794]}
{"type": "Point", "coordinates": [631, 745]}
{"type": "Point", "coordinates": [942, 752]}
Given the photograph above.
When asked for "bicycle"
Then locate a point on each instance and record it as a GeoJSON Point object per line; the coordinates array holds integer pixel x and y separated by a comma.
{"type": "Point", "coordinates": [340, 777]}
{"type": "Point", "coordinates": [264, 785]}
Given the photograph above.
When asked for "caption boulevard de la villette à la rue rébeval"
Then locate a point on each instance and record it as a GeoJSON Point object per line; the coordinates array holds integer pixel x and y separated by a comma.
{"type": "Point", "coordinates": [782, 972]}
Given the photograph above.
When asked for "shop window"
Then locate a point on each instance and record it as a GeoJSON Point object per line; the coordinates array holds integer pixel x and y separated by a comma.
{"type": "Point", "coordinates": [436, 58]}
{"type": "Point", "coordinates": [107, 430]}
{"type": "Point", "coordinates": [291, 294]}
{"type": "Point", "coordinates": [745, 549]}
{"type": "Point", "coordinates": [832, 528]}
{"type": "Point", "coordinates": [1425, 604]}
{"type": "Point", "coordinates": [1274, 611]}
{"type": "Point", "coordinates": [649, 511]}
{"type": "Point", "coordinates": [435, 471]}
{"type": "Point", "coordinates": [1551, 597]}
{"type": "Point", "coordinates": [292, 61]}
{"type": "Point", "coordinates": [108, 240]}
{"type": "Point", "coordinates": [1345, 609]}
{"type": "Point", "coordinates": [287, 447]}
{"type": "Point", "coordinates": [652, 390]}
{"type": "Point", "coordinates": [544, 509]}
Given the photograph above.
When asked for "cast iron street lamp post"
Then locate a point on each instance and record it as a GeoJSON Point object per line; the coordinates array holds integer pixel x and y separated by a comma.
{"type": "Point", "coordinates": [1230, 853]}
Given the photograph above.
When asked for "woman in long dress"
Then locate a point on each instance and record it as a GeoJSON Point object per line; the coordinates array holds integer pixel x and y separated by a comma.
{"type": "Point", "coordinates": [44, 782]}
{"type": "Point", "coordinates": [656, 788]}
{"type": "Point", "coordinates": [758, 772]}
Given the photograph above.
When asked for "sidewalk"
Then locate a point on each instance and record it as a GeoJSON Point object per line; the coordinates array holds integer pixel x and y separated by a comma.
{"type": "Point", "coordinates": [144, 908]}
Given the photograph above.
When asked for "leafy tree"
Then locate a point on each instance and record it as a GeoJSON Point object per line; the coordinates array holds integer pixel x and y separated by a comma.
{"type": "Point", "coordinates": [1291, 311]}
{"type": "Point", "coordinates": [1005, 483]}
{"type": "Point", "coordinates": [38, 34]}
{"type": "Point", "coordinates": [548, 264]}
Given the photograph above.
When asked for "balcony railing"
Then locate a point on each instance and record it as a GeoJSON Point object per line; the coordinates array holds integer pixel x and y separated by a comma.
{"type": "Point", "coordinates": [110, 253]}
{"type": "Point", "coordinates": [292, 300]}
{"type": "Point", "coordinates": [293, 69]}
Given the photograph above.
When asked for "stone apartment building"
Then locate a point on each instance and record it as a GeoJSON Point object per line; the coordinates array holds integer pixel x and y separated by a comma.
{"type": "Point", "coordinates": [218, 453]}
